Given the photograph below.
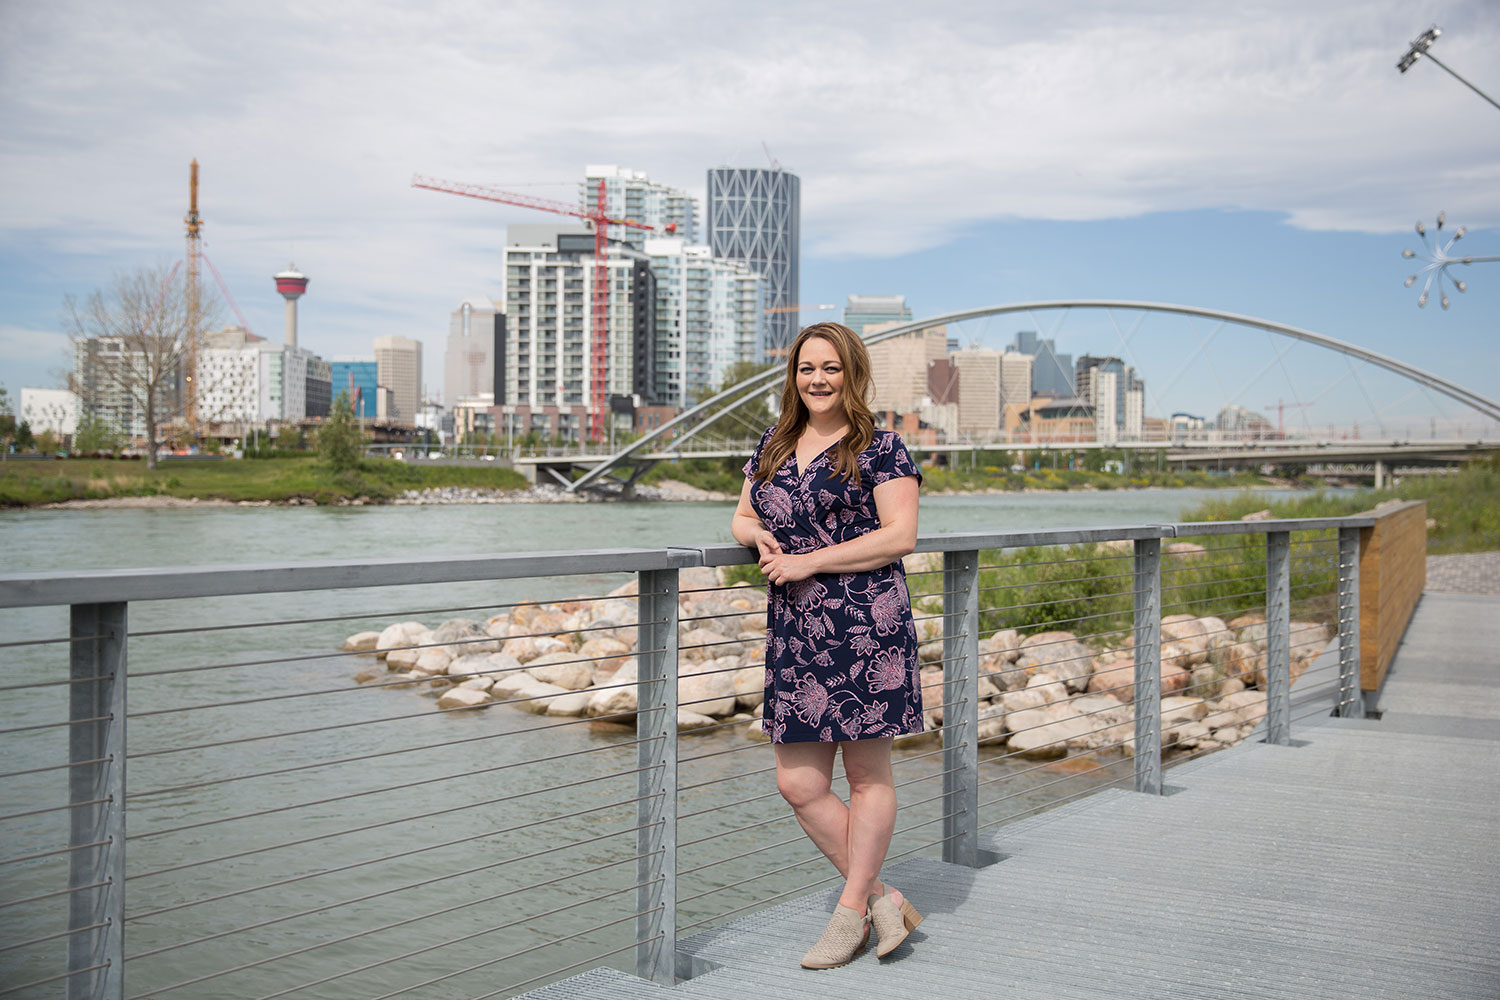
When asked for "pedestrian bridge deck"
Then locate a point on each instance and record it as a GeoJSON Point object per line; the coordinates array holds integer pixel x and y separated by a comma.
{"type": "Point", "coordinates": [1358, 862]}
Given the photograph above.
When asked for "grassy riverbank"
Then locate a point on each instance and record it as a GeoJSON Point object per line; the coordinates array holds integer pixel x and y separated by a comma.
{"type": "Point", "coordinates": [24, 484]}
{"type": "Point", "coordinates": [724, 476]}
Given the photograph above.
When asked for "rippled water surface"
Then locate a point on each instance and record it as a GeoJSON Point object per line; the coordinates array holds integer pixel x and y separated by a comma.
{"type": "Point", "coordinates": [257, 817]}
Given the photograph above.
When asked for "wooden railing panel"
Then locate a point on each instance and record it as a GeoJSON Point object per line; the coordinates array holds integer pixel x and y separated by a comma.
{"type": "Point", "coordinates": [1392, 574]}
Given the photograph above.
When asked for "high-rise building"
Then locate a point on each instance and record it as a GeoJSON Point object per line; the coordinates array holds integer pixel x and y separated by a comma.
{"type": "Point", "coordinates": [469, 363]}
{"type": "Point", "coordinates": [630, 194]}
{"type": "Point", "coordinates": [899, 368]}
{"type": "Point", "coordinates": [755, 215]}
{"type": "Point", "coordinates": [105, 394]}
{"type": "Point", "coordinates": [1125, 406]}
{"type": "Point", "coordinates": [707, 317]}
{"type": "Point", "coordinates": [864, 311]}
{"type": "Point", "coordinates": [358, 378]}
{"type": "Point", "coordinates": [243, 378]}
{"type": "Point", "coordinates": [1238, 421]}
{"type": "Point", "coordinates": [978, 390]}
{"type": "Point", "coordinates": [1051, 373]}
{"type": "Point", "coordinates": [544, 352]}
{"type": "Point", "coordinates": [1015, 378]}
{"type": "Point", "coordinates": [398, 365]}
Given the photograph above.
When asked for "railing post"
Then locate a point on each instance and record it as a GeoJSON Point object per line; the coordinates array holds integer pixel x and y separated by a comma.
{"type": "Point", "coordinates": [1279, 637]}
{"type": "Point", "coordinates": [1351, 699]}
{"type": "Point", "coordinates": [1147, 699]}
{"type": "Point", "coordinates": [96, 749]}
{"type": "Point", "coordinates": [656, 756]}
{"type": "Point", "coordinates": [961, 708]}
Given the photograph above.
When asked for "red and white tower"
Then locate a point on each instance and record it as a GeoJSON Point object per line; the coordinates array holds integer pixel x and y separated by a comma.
{"type": "Point", "coordinates": [291, 283]}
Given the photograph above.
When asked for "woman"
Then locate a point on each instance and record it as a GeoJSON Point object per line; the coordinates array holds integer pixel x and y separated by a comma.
{"type": "Point", "coordinates": [830, 504]}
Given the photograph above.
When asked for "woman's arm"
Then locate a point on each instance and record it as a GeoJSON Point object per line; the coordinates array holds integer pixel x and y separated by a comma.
{"type": "Point", "coordinates": [747, 528]}
{"type": "Point", "coordinates": [895, 505]}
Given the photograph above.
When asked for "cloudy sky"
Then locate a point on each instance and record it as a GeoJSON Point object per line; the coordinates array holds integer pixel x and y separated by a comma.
{"type": "Point", "coordinates": [1263, 158]}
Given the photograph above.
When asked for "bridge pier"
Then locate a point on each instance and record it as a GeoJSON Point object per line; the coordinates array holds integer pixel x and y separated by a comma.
{"type": "Point", "coordinates": [1379, 474]}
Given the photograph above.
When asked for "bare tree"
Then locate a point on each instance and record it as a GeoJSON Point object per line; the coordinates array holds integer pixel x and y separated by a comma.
{"type": "Point", "coordinates": [132, 345]}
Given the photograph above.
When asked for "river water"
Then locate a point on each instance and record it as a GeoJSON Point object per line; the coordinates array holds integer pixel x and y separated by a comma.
{"type": "Point", "coordinates": [257, 818]}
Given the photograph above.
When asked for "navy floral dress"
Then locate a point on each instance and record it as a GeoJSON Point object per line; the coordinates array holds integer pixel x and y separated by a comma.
{"type": "Point", "coordinates": [841, 648]}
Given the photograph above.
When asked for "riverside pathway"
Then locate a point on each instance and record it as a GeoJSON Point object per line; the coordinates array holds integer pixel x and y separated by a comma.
{"type": "Point", "coordinates": [1357, 863]}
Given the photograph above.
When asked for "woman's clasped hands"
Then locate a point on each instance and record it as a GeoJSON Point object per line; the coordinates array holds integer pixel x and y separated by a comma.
{"type": "Point", "coordinates": [779, 566]}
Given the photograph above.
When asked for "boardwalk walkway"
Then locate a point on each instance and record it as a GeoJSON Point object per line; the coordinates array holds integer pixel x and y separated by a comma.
{"type": "Point", "coordinates": [1359, 863]}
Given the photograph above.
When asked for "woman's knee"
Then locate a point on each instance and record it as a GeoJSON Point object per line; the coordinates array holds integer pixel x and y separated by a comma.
{"type": "Point", "coordinates": [801, 786]}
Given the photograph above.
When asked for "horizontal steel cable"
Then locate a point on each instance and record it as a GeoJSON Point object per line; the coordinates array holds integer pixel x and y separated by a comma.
{"type": "Point", "coordinates": [1053, 803]}
{"type": "Point", "coordinates": [572, 965]}
{"type": "Point", "coordinates": [360, 864]}
{"type": "Point", "coordinates": [372, 965]}
{"type": "Point", "coordinates": [830, 878]}
{"type": "Point", "coordinates": [792, 840]}
{"type": "Point", "coordinates": [57, 767]}
{"type": "Point", "coordinates": [370, 653]}
{"type": "Point", "coordinates": [1054, 583]}
{"type": "Point", "coordinates": [58, 683]}
{"type": "Point", "coordinates": [401, 750]}
{"type": "Point", "coordinates": [755, 746]}
{"type": "Point", "coordinates": [1055, 781]}
{"type": "Point", "coordinates": [361, 722]}
{"type": "Point", "coordinates": [368, 687]}
{"type": "Point", "coordinates": [52, 979]}
{"type": "Point", "coordinates": [48, 809]}
{"type": "Point", "coordinates": [774, 792]}
{"type": "Point", "coordinates": [774, 819]}
{"type": "Point", "coordinates": [55, 725]}
{"type": "Point", "coordinates": [489, 962]}
{"type": "Point", "coordinates": [384, 614]}
{"type": "Point", "coordinates": [404, 888]}
{"type": "Point", "coordinates": [392, 822]}
{"type": "Point", "coordinates": [421, 782]}
{"type": "Point", "coordinates": [55, 893]}
{"type": "Point", "coordinates": [53, 937]}
{"type": "Point", "coordinates": [61, 850]}
{"type": "Point", "coordinates": [807, 861]}
{"type": "Point", "coordinates": [52, 642]}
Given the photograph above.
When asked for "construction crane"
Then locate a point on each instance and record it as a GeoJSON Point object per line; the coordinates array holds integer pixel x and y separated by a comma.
{"type": "Point", "coordinates": [1281, 406]}
{"type": "Point", "coordinates": [194, 252]}
{"type": "Point", "coordinates": [600, 222]}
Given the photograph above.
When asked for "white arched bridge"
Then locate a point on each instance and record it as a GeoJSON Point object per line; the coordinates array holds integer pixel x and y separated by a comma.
{"type": "Point", "coordinates": [672, 440]}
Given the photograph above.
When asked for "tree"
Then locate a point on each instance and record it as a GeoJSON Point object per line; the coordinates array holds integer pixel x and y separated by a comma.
{"type": "Point", "coordinates": [132, 345]}
{"type": "Point", "coordinates": [7, 420]}
{"type": "Point", "coordinates": [25, 440]}
{"type": "Point", "coordinates": [95, 435]}
{"type": "Point", "coordinates": [341, 442]}
{"type": "Point", "coordinates": [48, 442]}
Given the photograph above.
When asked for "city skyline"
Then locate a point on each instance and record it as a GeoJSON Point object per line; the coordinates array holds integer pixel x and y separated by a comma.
{"type": "Point", "coordinates": [1266, 165]}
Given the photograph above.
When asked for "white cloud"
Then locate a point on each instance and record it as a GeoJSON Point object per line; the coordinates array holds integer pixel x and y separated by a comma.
{"type": "Point", "coordinates": [906, 123]}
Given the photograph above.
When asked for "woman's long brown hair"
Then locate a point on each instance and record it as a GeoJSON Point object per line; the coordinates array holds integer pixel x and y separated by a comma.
{"type": "Point", "coordinates": [856, 364]}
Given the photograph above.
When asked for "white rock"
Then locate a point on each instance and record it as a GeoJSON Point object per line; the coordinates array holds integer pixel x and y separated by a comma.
{"type": "Point", "coordinates": [1046, 732]}
{"type": "Point", "coordinates": [576, 703]}
{"type": "Point", "coordinates": [399, 634]}
{"type": "Point", "coordinates": [434, 660]}
{"type": "Point", "coordinates": [361, 642]}
{"type": "Point", "coordinates": [1046, 684]}
{"type": "Point", "coordinates": [614, 700]}
{"type": "Point", "coordinates": [462, 697]}
{"type": "Point", "coordinates": [707, 693]}
{"type": "Point", "coordinates": [1180, 708]}
{"type": "Point", "coordinates": [563, 669]}
{"type": "Point", "coordinates": [478, 683]}
{"type": "Point", "coordinates": [687, 721]}
{"type": "Point", "coordinates": [755, 732]}
{"type": "Point", "coordinates": [749, 685]}
{"type": "Point", "coordinates": [538, 703]}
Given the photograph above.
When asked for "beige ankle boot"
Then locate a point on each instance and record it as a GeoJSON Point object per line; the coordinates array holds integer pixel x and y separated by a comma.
{"type": "Point", "coordinates": [892, 924]}
{"type": "Point", "coordinates": [844, 938]}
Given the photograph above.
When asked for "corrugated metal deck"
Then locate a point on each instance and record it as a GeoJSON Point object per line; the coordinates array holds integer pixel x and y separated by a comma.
{"type": "Point", "coordinates": [1361, 862]}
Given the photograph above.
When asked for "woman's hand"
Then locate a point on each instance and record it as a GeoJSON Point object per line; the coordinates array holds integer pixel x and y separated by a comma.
{"type": "Point", "coordinates": [780, 567]}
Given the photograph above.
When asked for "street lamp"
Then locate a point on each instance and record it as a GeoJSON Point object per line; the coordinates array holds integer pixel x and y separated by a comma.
{"type": "Point", "coordinates": [1437, 259]}
{"type": "Point", "coordinates": [1420, 47]}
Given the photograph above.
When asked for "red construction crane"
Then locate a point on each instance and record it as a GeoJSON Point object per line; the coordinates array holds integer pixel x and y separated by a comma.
{"type": "Point", "coordinates": [1281, 406]}
{"type": "Point", "coordinates": [600, 222]}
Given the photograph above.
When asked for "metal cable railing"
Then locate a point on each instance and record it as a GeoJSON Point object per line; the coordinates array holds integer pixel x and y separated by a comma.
{"type": "Point", "coordinates": [545, 795]}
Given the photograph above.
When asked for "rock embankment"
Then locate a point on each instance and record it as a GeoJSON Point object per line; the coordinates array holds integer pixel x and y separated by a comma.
{"type": "Point", "coordinates": [1041, 695]}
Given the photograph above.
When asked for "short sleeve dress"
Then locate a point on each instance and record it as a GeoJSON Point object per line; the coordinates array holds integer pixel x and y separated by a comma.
{"type": "Point", "coordinates": [841, 648]}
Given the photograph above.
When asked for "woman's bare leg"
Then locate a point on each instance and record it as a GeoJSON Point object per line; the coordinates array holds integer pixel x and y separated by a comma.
{"type": "Point", "coordinates": [804, 776]}
{"type": "Point", "coordinates": [872, 819]}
